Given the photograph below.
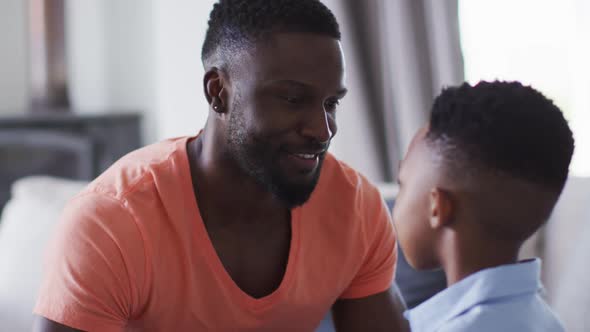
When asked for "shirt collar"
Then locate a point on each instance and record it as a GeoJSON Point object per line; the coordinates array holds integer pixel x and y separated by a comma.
{"type": "Point", "coordinates": [488, 284]}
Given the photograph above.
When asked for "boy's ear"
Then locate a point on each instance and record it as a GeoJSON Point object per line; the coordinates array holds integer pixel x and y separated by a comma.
{"type": "Point", "coordinates": [441, 208]}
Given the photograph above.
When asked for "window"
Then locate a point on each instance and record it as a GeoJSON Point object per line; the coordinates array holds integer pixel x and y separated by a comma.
{"type": "Point", "coordinates": [543, 43]}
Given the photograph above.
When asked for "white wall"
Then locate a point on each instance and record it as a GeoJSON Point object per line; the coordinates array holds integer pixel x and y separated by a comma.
{"type": "Point", "coordinates": [180, 32]}
{"type": "Point", "coordinates": [131, 61]}
{"type": "Point", "coordinates": [111, 58]}
{"type": "Point", "coordinates": [14, 63]}
{"type": "Point", "coordinates": [139, 55]}
{"type": "Point", "coordinates": [86, 55]}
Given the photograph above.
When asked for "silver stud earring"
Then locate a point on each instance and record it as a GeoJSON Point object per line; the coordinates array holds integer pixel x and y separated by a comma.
{"type": "Point", "coordinates": [216, 102]}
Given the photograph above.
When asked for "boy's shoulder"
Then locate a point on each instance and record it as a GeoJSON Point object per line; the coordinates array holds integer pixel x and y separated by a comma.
{"type": "Point", "coordinates": [500, 298]}
{"type": "Point", "coordinates": [523, 314]}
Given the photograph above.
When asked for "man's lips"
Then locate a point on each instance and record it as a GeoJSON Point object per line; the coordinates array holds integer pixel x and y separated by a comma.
{"type": "Point", "coordinates": [306, 155]}
{"type": "Point", "coordinates": [305, 161]}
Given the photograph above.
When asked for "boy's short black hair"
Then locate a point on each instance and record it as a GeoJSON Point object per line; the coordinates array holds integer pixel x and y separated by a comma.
{"type": "Point", "coordinates": [233, 23]}
{"type": "Point", "coordinates": [503, 127]}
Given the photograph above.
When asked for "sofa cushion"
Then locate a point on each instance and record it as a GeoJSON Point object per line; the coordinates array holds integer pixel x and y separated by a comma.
{"type": "Point", "coordinates": [25, 227]}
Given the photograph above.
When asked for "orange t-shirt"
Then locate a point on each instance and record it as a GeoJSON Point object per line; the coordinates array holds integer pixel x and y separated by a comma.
{"type": "Point", "coordinates": [132, 253]}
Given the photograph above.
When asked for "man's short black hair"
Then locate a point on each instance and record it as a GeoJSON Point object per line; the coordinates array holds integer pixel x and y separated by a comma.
{"type": "Point", "coordinates": [504, 127]}
{"type": "Point", "coordinates": [233, 23]}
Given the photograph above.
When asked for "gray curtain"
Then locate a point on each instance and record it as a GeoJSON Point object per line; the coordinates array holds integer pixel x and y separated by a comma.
{"type": "Point", "coordinates": [409, 50]}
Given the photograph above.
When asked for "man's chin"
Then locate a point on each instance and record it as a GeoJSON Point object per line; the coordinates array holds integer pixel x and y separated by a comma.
{"type": "Point", "coordinates": [293, 186]}
{"type": "Point", "coordinates": [295, 194]}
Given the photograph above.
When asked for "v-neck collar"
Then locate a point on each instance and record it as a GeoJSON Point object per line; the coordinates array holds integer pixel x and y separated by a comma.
{"type": "Point", "coordinates": [213, 260]}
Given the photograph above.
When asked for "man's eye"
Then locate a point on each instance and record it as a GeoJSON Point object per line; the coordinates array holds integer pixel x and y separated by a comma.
{"type": "Point", "coordinates": [292, 99]}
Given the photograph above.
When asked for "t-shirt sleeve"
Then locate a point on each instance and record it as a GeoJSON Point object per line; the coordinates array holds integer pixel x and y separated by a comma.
{"type": "Point", "coordinates": [377, 270]}
{"type": "Point", "coordinates": [94, 274]}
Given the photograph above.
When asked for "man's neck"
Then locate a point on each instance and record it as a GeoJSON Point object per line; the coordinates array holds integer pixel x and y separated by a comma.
{"type": "Point", "coordinates": [223, 190]}
{"type": "Point", "coordinates": [464, 257]}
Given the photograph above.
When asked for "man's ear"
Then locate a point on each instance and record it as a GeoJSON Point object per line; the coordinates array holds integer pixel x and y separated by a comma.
{"type": "Point", "coordinates": [215, 92]}
{"type": "Point", "coordinates": [441, 208]}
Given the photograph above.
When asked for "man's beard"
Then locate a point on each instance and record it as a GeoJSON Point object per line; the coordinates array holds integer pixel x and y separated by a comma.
{"type": "Point", "coordinates": [256, 158]}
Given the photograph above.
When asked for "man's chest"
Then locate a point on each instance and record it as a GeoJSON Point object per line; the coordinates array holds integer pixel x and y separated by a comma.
{"type": "Point", "coordinates": [255, 260]}
{"type": "Point", "coordinates": [216, 279]}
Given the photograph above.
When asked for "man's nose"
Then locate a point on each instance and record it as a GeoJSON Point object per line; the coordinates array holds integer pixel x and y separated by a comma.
{"type": "Point", "coordinates": [318, 126]}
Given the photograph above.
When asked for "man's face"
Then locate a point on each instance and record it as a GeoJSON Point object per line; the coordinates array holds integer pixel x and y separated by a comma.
{"type": "Point", "coordinates": [283, 111]}
{"type": "Point", "coordinates": [411, 211]}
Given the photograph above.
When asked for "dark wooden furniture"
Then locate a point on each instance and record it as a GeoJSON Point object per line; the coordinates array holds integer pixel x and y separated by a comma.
{"type": "Point", "coordinates": [63, 144]}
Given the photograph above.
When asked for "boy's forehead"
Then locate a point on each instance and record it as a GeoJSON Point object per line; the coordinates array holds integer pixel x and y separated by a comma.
{"type": "Point", "coordinates": [412, 156]}
{"type": "Point", "coordinates": [416, 142]}
{"type": "Point", "coordinates": [422, 160]}
{"type": "Point", "coordinates": [418, 138]}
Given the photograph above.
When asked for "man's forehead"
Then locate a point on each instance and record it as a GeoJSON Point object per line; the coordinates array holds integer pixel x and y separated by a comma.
{"type": "Point", "coordinates": [304, 61]}
{"type": "Point", "coordinates": [292, 50]}
{"type": "Point", "coordinates": [278, 38]}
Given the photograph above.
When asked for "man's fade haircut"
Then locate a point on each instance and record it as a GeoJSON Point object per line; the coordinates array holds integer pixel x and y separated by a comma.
{"type": "Point", "coordinates": [503, 127]}
{"type": "Point", "coordinates": [237, 23]}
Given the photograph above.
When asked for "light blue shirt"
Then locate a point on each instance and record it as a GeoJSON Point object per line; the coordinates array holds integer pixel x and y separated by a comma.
{"type": "Point", "coordinates": [504, 298]}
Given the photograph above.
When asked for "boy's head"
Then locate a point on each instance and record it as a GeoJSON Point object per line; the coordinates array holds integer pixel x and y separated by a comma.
{"type": "Point", "coordinates": [487, 169]}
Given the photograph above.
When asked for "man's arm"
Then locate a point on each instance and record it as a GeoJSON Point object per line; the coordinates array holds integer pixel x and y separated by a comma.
{"type": "Point", "coordinates": [379, 312]}
{"type": "Point", "coordinates": [43, 324]}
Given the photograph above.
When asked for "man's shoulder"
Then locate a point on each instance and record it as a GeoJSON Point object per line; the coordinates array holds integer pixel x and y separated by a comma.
{"type": "Point", "coordinates": [139, 167]}
{"type": "Point", "coordinates": [129, 193]}
{"type": "Point", "coordinates": [337, 173]}
{"type": "Point", "coordinates": [343, 191]}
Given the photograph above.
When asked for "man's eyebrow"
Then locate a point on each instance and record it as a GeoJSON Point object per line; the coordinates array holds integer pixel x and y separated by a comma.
{"type": "Point", "coordinates": [296, 84]}
{"type": "Point", "coordinates": [300, 85]}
